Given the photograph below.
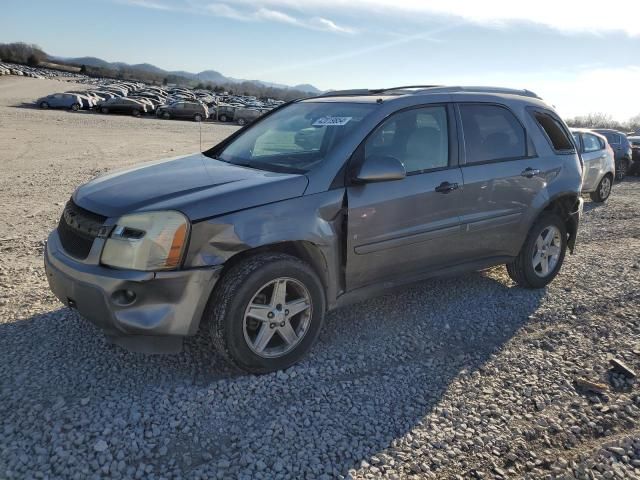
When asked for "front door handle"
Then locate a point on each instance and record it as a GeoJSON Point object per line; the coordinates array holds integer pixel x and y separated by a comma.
{"type": "Point", "coordinates": [446, 187]}
{"type": "Point", "coordinates": [530, 172]}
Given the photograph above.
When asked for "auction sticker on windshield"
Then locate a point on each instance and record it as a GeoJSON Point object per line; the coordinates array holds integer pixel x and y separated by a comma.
{"type": "Point", "coordinates": [331, 121]}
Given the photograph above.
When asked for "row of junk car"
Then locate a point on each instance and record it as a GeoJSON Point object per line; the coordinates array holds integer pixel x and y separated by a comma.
{"type": "Point", "coordinates": [607, 154]}
{"type": "Point", "coordinates": [134, 98]}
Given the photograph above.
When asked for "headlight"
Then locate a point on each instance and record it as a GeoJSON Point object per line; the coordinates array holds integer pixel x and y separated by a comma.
{"type": "Point", "coordinates": [147, 241]}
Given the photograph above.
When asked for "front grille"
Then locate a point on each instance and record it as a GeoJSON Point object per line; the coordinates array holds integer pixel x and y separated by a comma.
{"type": "Point", "coordinates": [77, 229]}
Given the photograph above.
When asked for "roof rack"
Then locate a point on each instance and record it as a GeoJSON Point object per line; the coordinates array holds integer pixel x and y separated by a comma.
{"type": "Point", "coordinates": [475, 89]}
{"type": "Point", "coordinates": [421, 89]}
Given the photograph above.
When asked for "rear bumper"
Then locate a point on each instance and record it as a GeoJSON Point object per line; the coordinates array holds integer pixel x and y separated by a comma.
{"type": "Point", "coordinates": [574, 223]}
{"type": "Point", "coordinates": [166, 306]}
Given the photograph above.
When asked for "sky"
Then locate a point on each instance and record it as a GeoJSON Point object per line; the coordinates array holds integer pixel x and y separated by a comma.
{"type": "Point", "coordinates": [579, 57]}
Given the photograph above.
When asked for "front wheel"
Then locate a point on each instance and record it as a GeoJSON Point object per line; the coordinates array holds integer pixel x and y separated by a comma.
{"type": "Point", "coordinates": [44, 105]}
{"type": "Point", "coordinates": [542, 254]}
{"type": "Point", "coordinates": [104, 110]}
{"type": "Point", "coordinates": [603, 191]}
{"type": "Point", "coordinates": [266, 312]}
{"type": "Point", "coordinates": [222, 118]}
{"type": "Point", "coordinates": [197, 117]}
{"type": "Point", "coordinates": [75, 107]}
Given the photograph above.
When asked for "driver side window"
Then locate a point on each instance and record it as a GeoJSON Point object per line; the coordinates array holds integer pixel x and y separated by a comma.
{"type": "Point", "coordinates": [417, 137]}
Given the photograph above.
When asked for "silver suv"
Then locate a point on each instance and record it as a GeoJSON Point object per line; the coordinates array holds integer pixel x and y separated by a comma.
{"type": "Point", "coordinates": [319, 203]}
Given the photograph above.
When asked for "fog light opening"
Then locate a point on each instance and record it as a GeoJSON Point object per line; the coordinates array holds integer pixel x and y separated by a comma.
{"type": "Point", "coordinates": [124, 297]}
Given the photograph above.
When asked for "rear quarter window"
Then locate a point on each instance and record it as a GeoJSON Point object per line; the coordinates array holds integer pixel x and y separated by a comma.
{"type": "Point", "coordinates": [554, 131]}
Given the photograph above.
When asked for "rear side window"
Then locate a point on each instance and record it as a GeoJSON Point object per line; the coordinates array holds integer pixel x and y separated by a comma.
{"type": "Point", "coordinates": [591, 143]}
{"type": "Point", "coordinates": [491, 133]}
{"type": "Point", "coordinates": [556, 134]}
{"type": "Point", "coordinates": [612, 138]}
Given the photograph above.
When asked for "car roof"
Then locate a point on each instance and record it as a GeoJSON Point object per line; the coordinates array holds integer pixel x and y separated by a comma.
{"type": "Point", "coordinates": [608, 130]}
{"type": "Point", "coordinates": [587, 130]}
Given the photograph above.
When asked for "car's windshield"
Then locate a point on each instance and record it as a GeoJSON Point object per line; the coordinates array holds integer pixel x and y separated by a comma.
{"type": "Point", "coordinates": [296, 138]}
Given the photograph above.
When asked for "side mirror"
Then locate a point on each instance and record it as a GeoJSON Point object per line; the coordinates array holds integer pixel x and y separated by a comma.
{"type": "Point", "coordinates": [380, 168]}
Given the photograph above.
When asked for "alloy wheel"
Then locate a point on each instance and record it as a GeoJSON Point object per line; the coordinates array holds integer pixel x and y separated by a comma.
{"type": "Point", "coordinates": [547, 251]}
{"type": "Point", "coordinates": [277, 317]}
{"type": "Point", "coordinates": [605, 188]}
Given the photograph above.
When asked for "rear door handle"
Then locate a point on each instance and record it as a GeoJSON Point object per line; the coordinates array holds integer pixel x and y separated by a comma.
{"type": "Point", "coordinates": [530, 172]}
{"type": "Point", "coordinates": [446, 187]}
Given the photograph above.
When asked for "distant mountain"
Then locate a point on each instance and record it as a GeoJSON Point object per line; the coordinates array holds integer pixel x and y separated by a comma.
{"type": "Point", "coordinates": [305, 87]}
{"type": "Point", "coordinates": [206, 76]}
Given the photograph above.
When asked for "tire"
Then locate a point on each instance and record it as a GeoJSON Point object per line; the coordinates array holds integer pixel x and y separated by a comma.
{"type": "Point", "coordinates": [603, 190]}
{"type": "Point", "coordinates": [242, 122]}
{"type": "Point", "coordinates": [522, 269]}
{"type": "Point", "coordinates": [104, 110]}
{"type": "Point", "coordinates": [235, 334]}
{"type": "Point", "coordinates": [44, 105]}
{"type": "Point", "coordinates": [621, 169]}
{"type": "Point", "coordinates": [166, 115]}
{"type": "Point", "coordinates": [135, 113]}
{"type": "Point", "coordinates": [222, 118]}
{"type": "Point", "coordinates": [197, 117]}
{"type": "Point", "coordinates": [75, 107]}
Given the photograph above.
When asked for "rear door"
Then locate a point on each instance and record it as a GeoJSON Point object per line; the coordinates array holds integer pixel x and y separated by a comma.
{"type": "Point", "coordinates": [405, 227]}
{"type": "Point", "coordinates": [502, 176]}
{"type": "Point", "coordinates": [594, 157]}
{"type": "Point", "coordinates": [615, 141]}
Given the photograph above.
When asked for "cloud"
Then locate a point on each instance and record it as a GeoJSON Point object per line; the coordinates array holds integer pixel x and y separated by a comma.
{"type": "Point", "coordinates": [147, 4]}
{"type": "Point", "coordinates": [247, 11]}
{"type": "Point", "coordinates": [276, 16]}
{"type": "Point", "coordinates": [326, 24]}
{"type": "Point", "coordinates": [225, 11]}
{"type": "Point", "coordinates": [563, 15]}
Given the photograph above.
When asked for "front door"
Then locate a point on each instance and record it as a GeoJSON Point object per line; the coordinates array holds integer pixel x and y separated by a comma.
{"type": "Point", "coordinates": [406, 227]}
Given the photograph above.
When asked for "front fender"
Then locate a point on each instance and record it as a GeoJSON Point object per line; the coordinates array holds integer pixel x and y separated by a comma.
{"type": "Point", "coordinates": [315, 219]}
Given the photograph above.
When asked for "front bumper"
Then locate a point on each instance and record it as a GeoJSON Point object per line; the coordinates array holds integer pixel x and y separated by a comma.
{"type": "Point", "coordinates": [167, 305]}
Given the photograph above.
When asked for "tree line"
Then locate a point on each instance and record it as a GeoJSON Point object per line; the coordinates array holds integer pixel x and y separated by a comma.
{"type": "Point", "coordinates": [604, 120]}
{"type": "Point", "coordinates": [24, 53]}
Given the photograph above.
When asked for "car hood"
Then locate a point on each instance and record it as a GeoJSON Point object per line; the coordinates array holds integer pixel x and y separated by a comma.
{"type": "Point", "coordinates": [198, 186]}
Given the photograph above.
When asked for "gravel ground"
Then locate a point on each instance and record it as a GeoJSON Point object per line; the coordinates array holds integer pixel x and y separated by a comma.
{"type": "Point", "coordinates": [466, 377]}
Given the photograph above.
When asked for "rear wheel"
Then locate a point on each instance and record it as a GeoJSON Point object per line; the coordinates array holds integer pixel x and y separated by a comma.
{"type": "Point", "coordinates": [104, 110]}
{"type": "Point", "coordinates": [44, 105]}
{"type": "Point", "coordinates": [266, 312]}
{"type": "Point", "coordinates": [603, 191]}
{"type": "Point", "coordinates": [166, 115]}
{"type": "Point", "coordinates": [621, 169]}
{"type": "Point", "coordinates": [222, 118]}
{"type": "Point", "coordinates": [542, 254]}
{"type": "Point", "coordinates": [135, 113]}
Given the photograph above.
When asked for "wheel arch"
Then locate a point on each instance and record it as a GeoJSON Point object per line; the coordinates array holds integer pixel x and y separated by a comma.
{"type": "Point", "coordinates": [565, 205]}
{"type": "Point", "coordinates": [303, 250]}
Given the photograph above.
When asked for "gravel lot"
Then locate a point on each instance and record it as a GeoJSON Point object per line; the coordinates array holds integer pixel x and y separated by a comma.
{"type": "Point", "coordinates": [466, 377]}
